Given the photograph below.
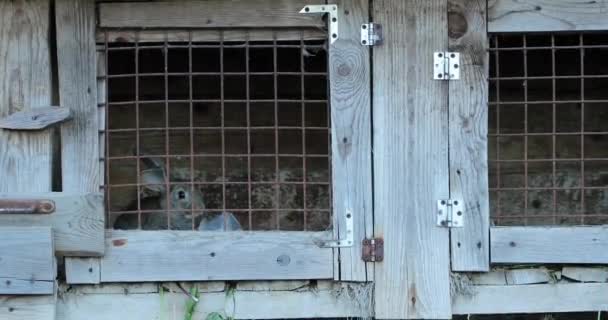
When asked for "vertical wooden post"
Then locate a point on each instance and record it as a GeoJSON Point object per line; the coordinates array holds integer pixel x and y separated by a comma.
{"type": "Point", "coordinates": [76, 53]}
{"type": "Point", "coordinates": [349, 72]}
{"type": "Point", "coordinates": [25, 83]}
{"type": "Point", "coordinates": [468, 135]}
{"type": "Point", "coordinates": [410, 161]}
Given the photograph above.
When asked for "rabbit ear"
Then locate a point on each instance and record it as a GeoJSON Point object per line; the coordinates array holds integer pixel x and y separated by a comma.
{"type": "Point", "coordinates": [154, 179]}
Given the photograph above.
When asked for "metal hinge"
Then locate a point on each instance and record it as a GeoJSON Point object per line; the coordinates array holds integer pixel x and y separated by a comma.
{"type": "Point", "coordinates": [330, 9]}
{"type": "Point", "coordinates": [446, 66]}
{"type": "Point", "coordinates": [347, 241]}
{"type": "Point", "coordinates": [371, 34]}
{"type": "Point", "coordinates": [373, 250]}
{"type": "Point", "coordinates": [450, 213]}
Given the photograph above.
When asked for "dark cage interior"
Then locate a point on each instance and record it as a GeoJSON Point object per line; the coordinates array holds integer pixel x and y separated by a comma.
{"type": "Point", "coordinates": [223, 135]}
{"type": "Point", "coordinates": [548, 129]}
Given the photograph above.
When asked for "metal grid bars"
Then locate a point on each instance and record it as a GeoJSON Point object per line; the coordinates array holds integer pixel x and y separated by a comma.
{"type": "Point", "coordinates": [548, 134]}
{"type": "Point", "coordinates": [217, 135]}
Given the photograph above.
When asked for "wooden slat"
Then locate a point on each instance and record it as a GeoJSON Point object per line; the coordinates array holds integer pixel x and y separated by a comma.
{"type": "Point", "coordinates": [208, 14]}
{"type": "Point", "coordinates": [28, 308]}
{"type": "Point", "coordinates": [349, 75]}
{"type": "Point", "coordinates": [546, 15]}
{"type": "Point", "coordinates": [82, 270]}
{"type": "Point", "coordinates": [27, 261]}
{"type": "Point", "coordinates": [586, 274]}
{"type": "Point", "coordinates": [470, 247]}
{"type": "Point", "coordinates": [537, 298]}
{"type": "Point", "coordinates": [580, 245]}
{"type": "Point", "coordinates": [78, 221]}
{"type": "Point", "coordinates": [208, 35]}
{"type": "Point", "coordinates": [323, 302]}
{"type": "Point", "coordinates": [410, 161]}
{"type": "Point", "coordinates": [25, 82]}
{"type": "Point", "coordinates": [36, 118]}
{"type": "Point", "coordinates": [133, 256]}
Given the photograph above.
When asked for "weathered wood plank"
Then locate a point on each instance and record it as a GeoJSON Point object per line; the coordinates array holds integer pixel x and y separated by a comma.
{"type": "Point", "coordinates": [25, 157]}
{"type": "Point", "coordinates": [470, 247]}
{"type": "Point", "coordinates": [27, 261]}
{"type": "Point", "coordinates": [331, 302]}
{"type": "Point", "coordinates": [82, 270]}
{"type": "Point", "coordinates": [208, 14]}
{"type": "Point", "coordinates": [36, 118]}
{"type": "Point", "coordinates": [136, 256]}
{"type": "Point", "coordinates": [534, 298]}
{"type": "Point", "coordinates": [77, 66]}
{"type": "Point", "coordinates": [78, 221]}
{"type": "Point", "coordinates": [208, 35]}
{"type": "Point", "coordinates": [349, 78]}
{"type": "Point", "coordinates": [28, 308]}
{"type": "Point", "coordinates": [528, 276]}
{"type": "Point", "coordinates": [580, 245]}
{"type": "Point", "coordinates": [546, 15]}
{"type": "Point", "coordinates": [410, 161]}
{"type": "Point", "coordinates": [586, 274]}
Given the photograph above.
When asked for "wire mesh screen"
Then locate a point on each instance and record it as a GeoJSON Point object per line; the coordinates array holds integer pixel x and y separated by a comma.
{"type": "Point", "coordinates": [548, 129]}
{"type": "Point", "coordinates": [217, 135]}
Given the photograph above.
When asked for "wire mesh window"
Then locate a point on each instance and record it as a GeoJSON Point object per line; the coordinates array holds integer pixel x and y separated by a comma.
{"type": "Point", "coordinates": [548, 134]}
{"type": "Point", "coordinates": [217, 135]}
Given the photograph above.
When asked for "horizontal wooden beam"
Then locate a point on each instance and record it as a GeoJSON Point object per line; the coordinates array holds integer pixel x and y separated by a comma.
{"type": "Point", "coordinates": [208, 14]}
{"type": "Point", "coordinates": [325, 300]}
{"type": "Point", "coordinates": [137, 256]}
{"type": "Point", "coordinates": [536, 298]}
{"type": "Point", "coordinates": [36, 118]}
{"type": "Point", "coordinates": [27, 261]}
{"type": "Point", "coordinates": [117, 36]}
{"type": "Point", "coordinates": [547, 15]}
{"type": "Point", "coordinates": [28, 307]}
{"type": "Point", "coordinates": [78, 221]}
{"type": "Point", "coordinates": [578, 245]}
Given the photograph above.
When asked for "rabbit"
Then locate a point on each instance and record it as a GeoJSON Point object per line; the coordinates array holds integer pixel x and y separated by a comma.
{"type": "Point", "coordinates": [181, 197]}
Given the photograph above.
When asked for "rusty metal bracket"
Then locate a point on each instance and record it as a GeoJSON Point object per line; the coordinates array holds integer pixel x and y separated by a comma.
{"type": "Point", "coordinates": [332, 11]}
{"type": "Point", "coordinates": [373, 250]}
{"type": "Point", "coordinates": [27, 206]}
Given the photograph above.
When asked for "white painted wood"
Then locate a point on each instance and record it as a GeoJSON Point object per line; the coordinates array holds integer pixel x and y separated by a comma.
{"type": "Point", "coordinates": [528, 276]}
{"type": "Point", "coordinates": [586, 274]}
{"type": "Point", "coordinates": [82, 270]}
{"type": "Point", "coordinates": [25, 82]}
{"type": "Point", "coordinates": [209, 14]}
{"type": "Point", "coordinates": [27, 261]}
{"type": "Point", "coordinates": [329, 301]}
{"type": "Point", "coordinates": [536, 298]}
{"type": "Point", "coordinates": [349, 78]}
{"type": "Point", "coordinates": [410, 161]}
{"type": "Point", "coordinates": [28, 307]}
{"type": "Point", "coordinates": [470, 247]}
{"type": "Point", "coordinates": [578, 245]}
{"type": "Point", "coordinates": [135, 256]}
{"type": "Point", "coordinates": [78, 221]}
{"type": "Point", "coordinates": [208, 35]}
{"type": "Point", "coordinates": [546, 15]}
{"type": "Point", "coordinates": [36, 118]}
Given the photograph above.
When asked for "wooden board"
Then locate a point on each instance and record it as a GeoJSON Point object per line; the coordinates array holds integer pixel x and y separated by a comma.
{"type": "Point", "coordinates": [410, 161]}
{"type": "Point", "coordinates": [534, 298]}
{"type": "Point", "coordinates": [547, 15]}
{"type": "Point", "coordinates": [28, 308]}
{"type": "Point", "coordinates": [209, 14]}
{"type": "Point", "coordinates": [36, 118]}
{"type": "Point", "coordinates": [78, 221]}
{"type": "Point", "coordinates": [82, 270]}
{"type": "Point", "coordinates": [136, 256]}
{"type": "Point", "coordinates": [586, 274]}
{"type": "Point", "coordinates": [25, 157]}
{"type": "Point", "coordinates": [580, 245]}
{"type": "Point", "coordinates": [208, 35]}
{"type": "Point", "coordinates": [349, 78]}
{"type": "Point", "coordinates": [323, 302]}
{"type": "Point", "coordinates": [470, 247]}
{"type": "Point", "coordinates": [27, 261]}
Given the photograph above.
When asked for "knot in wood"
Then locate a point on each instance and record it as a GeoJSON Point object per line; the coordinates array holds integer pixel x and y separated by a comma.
{"type": "Point", "coordinates": [344, 70]}
{"type": "Point", "coordinates": [458, 25]}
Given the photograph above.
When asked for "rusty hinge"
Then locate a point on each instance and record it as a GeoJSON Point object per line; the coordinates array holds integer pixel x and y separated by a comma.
{"type": "Point", "coordinates": [26, 206]}
{"type": "Point", "coordinates": [373, 250]}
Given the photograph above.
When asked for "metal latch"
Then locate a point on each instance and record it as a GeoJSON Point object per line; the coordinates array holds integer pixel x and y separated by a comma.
{"type": "Point", "coordinates": [371, 34]}
{"type": "Point", "coordinates": [26, 206]}
{"type": "Point", "coordinates": [446, 66]}
{"type": "Point", "coordinates": [341, 243]}
{"type": "Point", "coordinates": [373, 250]}
{"type": "Point", "coordinates": [330, 9]}
{"type": "Point", "coordinates": [450, 213]}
